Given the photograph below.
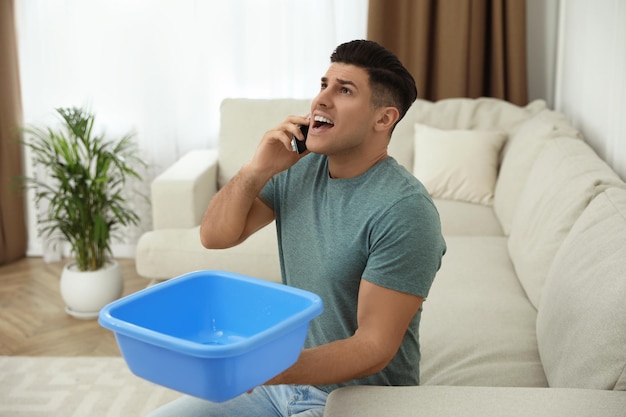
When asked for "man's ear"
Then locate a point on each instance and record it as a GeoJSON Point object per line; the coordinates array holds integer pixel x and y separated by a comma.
{"type": "Point", "coordinates": [387, 117]}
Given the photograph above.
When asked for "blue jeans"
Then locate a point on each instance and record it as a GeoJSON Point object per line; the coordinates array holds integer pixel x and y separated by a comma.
{"type": "Point", "coordinates": [264, 401]}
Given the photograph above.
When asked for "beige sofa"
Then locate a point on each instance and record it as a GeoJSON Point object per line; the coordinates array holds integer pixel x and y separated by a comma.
{"type": "Point", "coordinates": [532, 290]}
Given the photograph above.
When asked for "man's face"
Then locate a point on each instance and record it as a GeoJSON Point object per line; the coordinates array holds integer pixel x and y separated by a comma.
{"type": "Point", "coordinates": [342, 115]}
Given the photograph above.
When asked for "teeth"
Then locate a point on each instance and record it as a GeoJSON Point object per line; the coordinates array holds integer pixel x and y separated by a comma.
{"type": "Point", "coordinates": [323, 120]}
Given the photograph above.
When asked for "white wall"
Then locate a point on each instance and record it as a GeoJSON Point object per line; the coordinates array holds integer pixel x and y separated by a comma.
{"type": "Point", "coordinates": [577, 63]}
{"type": "Point", "coordinates": [542, 17]}
{"type": "Point", "coordinates": [591, 74]}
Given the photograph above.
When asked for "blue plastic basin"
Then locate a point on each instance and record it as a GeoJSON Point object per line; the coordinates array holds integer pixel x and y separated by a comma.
{"type": "Point", "coordinates": [211, 334]}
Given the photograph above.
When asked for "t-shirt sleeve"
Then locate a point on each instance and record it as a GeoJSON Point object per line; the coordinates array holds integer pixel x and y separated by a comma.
{"type": "Point", "coordinates": [406, 247]}
{"type": "Point", "coordinates": [267, 193]}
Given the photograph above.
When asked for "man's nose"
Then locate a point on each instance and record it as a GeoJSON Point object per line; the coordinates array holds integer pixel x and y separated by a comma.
{"type": "Point", "coordinates": [322, 99]}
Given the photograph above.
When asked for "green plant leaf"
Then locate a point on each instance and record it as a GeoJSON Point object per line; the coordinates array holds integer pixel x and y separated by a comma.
{"type": "Point", "coordinates": [86, 178]}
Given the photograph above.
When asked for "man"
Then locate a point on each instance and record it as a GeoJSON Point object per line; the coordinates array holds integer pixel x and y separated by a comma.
{"type": "Point", "coordinates": [353, 226]}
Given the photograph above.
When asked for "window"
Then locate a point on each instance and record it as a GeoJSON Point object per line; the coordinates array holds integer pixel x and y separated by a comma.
{"type": "Point", "coordinates": [161, 67]}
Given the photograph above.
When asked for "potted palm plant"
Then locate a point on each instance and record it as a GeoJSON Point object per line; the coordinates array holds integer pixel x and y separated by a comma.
{"type": "Point", "coordinates": [83, 195]}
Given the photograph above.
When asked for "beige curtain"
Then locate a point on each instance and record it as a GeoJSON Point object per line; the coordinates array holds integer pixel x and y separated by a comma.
{"type": "Point", "coordinates": [13, 236]}
{"type": "Point", "coordinates": [457, 48]}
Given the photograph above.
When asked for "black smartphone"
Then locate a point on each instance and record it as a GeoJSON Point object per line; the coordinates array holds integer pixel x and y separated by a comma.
{"type": "Point", "coordinates": [298, 145]}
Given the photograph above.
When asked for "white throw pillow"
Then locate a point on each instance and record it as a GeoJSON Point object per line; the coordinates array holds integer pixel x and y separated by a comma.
{"type": "Point", "coordinates": [458, 164]}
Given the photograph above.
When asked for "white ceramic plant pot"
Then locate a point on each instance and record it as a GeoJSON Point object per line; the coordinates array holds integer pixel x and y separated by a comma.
{"type": "Point", "coordinates": [86, 292]}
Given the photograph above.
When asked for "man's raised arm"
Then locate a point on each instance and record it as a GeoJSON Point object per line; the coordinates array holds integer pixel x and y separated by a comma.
{"type": "Point", "coordinates": [236, 211]}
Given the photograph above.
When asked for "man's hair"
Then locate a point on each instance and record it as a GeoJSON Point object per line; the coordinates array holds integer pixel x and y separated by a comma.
{"type": "Point", "coordinates": [391, 83]}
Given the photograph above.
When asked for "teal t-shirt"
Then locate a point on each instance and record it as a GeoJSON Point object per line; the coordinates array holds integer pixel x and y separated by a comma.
{"type": "Point", "coordinates": [381, 226]}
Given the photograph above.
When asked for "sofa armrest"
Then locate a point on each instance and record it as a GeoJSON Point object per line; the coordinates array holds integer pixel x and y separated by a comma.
{"type": "Point", "coordinates": [180, 195]}
{"type": "Point", "coordinates": [448, 401]}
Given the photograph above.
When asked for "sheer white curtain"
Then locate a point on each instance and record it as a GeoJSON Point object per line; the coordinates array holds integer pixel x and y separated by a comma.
{"type": "Point", "coordinates": [160, 68]}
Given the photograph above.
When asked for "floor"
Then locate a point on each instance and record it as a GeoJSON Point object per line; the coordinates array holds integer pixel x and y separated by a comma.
{"type": "Point", "coordinates": [33, 321]}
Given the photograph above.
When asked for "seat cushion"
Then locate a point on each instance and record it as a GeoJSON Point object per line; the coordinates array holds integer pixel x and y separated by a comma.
{"type": "Point", "coordinates": [368, 401]}
{"type": "Point", "coordinates": [478, 327]}
{"type": "Point", "coordinates": [168, 253]}
{"type": "Point", "coordinates": [459, 218]}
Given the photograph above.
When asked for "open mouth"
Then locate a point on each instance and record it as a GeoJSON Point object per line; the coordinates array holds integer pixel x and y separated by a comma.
{"type": "Point", "coordinates": [321, 123]}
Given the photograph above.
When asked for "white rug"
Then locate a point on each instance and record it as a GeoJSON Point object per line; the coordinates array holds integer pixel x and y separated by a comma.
{"type": "Point", "coordinates": [75, 387]}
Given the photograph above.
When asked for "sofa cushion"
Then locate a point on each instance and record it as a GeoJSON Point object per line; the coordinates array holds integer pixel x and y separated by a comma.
{"type": "Point", "coordinates": [581, 324]}
{"type": "Point", "coordinates": [238, 141]}
{"type": "Point", "coordinates": [459, 218]}
{"type": "Point", "coordinates": [168, 253]}
{"type": "Point", "coordinates": [181, 194]}
{"type": "Point", "coordinates": [524, 143]}
{"type": "Point", "coordinates": [376, 401]}
{"type": "Point", "coordinates": [456, 113]}
{"type": "Point", "coordinates": [566, 176]}
{"type": "Point", "coordinates": [458, 164]}
{"type": "Point", "coordinates": [478, 327]}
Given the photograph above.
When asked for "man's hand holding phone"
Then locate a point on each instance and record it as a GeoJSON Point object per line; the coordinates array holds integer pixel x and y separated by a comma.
{"type": "Point", "coordinates": [298, 145]}
{"type": "Point", "coordinates": [276, 149]}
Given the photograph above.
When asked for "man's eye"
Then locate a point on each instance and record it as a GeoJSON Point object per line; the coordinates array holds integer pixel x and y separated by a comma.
{"type": "Point", "coordinates": [345, 90]}
{"type": "Point", "coordinates": [323, 86]}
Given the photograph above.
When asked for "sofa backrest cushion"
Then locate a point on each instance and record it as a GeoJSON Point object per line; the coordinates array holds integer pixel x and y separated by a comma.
{"type": "Point", "coordinates": [581, 323]}
{"type": "Point", "coordinates": [566, 176]}
{"type": "Point", "coordinates": [456, 113]}
{"type": "Point", "coordinates": [243, 122]}
{"type": "Point", "coordinates": [524, 143]}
